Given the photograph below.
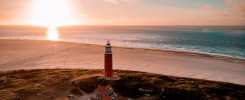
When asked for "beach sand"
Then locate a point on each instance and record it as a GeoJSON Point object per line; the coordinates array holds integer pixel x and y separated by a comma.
{"type": "Point", "coordinates": [34, 54]}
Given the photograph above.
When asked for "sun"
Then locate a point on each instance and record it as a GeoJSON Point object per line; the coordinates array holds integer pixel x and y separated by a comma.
{"type": "Point", "coordinates": [52, 13]}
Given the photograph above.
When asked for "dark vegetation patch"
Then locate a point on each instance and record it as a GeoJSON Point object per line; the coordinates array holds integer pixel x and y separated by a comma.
{"type": "Point", "coordinates": [140, 85]}
{"type": "Point", "coordinates": [49, 84]}
{"type": "Point", "coordinates": [22, 84]}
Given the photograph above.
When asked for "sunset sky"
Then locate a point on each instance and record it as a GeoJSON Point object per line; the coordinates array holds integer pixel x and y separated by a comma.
{"type": "Point", "coordinates": [122, 12]}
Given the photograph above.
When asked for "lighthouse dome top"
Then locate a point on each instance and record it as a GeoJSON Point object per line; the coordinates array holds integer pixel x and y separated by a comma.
{"type": "Point", "coordinates": [108, 43]}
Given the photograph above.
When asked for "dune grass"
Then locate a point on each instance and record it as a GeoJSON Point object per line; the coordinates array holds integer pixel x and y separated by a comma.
{"type": "Point", "coordinates": [50, 84]}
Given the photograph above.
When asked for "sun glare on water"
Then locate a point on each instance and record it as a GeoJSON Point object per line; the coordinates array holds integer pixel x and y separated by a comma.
{"type": "Point", "coordinates": [52, 34]}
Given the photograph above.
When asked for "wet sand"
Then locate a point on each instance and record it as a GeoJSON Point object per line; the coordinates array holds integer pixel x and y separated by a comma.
{"type": "Point", "coordinates": [30, 54]}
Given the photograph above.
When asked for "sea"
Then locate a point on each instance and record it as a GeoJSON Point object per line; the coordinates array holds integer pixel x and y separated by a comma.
{"type": "Point", "coordinates": [212, 40]}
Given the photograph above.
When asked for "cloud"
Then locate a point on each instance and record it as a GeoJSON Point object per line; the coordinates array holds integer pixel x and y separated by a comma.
{"type": "Point", "coordinates": [115, 2]}
{"type": "Point", "coordinates": [236, 6]}
{"type": "Point", "coordinates": [211, 10]}
{"type": "Point", "coordinates": [13, 10]}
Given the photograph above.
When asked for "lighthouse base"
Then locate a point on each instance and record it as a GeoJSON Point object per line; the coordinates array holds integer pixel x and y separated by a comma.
{"type": "Point", "coordinates": [114, 77]}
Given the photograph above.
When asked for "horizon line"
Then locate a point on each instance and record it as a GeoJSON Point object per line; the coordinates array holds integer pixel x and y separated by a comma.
{"type": "Point", "coordinates": [118, 25]}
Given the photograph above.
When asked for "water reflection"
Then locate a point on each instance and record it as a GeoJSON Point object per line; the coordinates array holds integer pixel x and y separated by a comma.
{"type": "Point", "coordinates": [53, 34]}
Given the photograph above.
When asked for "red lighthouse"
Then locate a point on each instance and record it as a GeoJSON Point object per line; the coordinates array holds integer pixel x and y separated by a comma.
{"type": "Point", "coordinates": [108, 60]}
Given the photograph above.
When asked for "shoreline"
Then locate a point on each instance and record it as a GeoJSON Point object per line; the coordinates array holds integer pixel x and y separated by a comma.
{"type": "Point", "coordinates": [193, 53]}
{"type": "Point", "coordinates": [187, 52]}
{"type": "Point", "coordinates": [190, 53]}
{"type": "Point", "coordinates": [39, 54]}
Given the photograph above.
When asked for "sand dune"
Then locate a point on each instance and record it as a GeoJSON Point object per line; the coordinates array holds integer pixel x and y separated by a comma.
{"type": "Point", "coordinates": [30, 54]}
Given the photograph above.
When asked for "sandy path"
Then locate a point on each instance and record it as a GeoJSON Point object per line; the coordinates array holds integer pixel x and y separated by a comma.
{"type": "Point", "coordinates": [27, 54]}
